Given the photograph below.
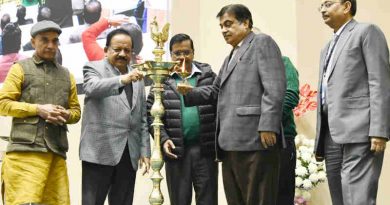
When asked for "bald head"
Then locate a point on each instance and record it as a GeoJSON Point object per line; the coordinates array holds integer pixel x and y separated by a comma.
{"type": "Point", "coordinates": [21, 12]}
{"type": "Point", "coordinates": [12, 36]}
{"type": "Point", "coordinates": [92, 12]}
{"type": "Point", "coordinates": [44, 13]}
{"type": "Point", "coordinates": [5, 19]}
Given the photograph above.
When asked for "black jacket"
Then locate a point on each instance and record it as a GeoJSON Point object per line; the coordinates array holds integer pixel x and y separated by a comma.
{"type": "Point", "coordinates": [172, 128]}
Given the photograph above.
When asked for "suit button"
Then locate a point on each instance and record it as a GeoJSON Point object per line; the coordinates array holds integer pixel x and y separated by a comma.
{"type": "Point", "coordinates": [47, 83]}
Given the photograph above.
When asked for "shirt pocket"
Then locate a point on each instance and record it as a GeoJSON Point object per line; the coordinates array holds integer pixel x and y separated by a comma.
{"type": "Point", "coordinates": [255, 110]}
{"type": "Point", "coordinates": [357, 102]}
{"type": "Point", "coordinates": [24, 130]}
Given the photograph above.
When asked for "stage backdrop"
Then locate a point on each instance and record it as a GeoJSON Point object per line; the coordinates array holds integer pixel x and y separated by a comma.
{"type": "Point", "coordinates": [68, 14]}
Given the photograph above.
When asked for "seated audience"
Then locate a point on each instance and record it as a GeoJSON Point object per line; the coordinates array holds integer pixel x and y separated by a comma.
{"type": "Point", "coordinates": [91, 13]}
{"type": "Point", "coordinates": [21, 15]}
{"type": "Point", "coordinates": [44, 13]}
{"type": "Point", "coordinates": [94, 51]}
{"type": "Point", "coordinates": [4, 20]}
{"type": "Point", "coordinates": [62, 12]}
{"type": "Point", "coordinates": [11, 39]}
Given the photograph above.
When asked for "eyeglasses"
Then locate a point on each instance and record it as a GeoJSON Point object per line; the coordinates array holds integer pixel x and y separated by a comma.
{"type": "Point", "coordinates": [327, 5]}
{"type": "Point", "coordinates": [118, 50]}
{"type": "Point", "coordinates": [185, 53]}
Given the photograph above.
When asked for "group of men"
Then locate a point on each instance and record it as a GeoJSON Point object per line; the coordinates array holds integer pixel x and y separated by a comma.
{"type": "Point", "coordinates": [242, 117]}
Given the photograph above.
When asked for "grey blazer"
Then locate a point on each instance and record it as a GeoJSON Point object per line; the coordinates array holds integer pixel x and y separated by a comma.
{"type": "Point", "coordinates": [108, 121]}
{"type": "Point", "coordinates": [250, 91]}
{"type": "Point", "coordinates": [358, 91]}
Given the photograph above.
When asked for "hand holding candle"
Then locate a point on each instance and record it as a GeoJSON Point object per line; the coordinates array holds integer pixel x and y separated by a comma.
{"type": "Point", "coordinates": [183, 72]}
{"type": "Point", "coordinates": [183, 66]}
{"type": "Point", "coordinates": [184, 87]}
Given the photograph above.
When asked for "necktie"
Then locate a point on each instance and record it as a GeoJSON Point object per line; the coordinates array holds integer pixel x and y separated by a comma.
{"type": "Point", "coordinates": [129, 93]}
{"type": "Point", "coordinates": [224, 71]}
{"type": "Point", "coordinates": [230, 55]}
{"type": "Point", "coordinates": [233, 53]}
{"type": "Point", "coordinates": [333, 45]}
{"type": "Point", "coordinates": [327, 60]}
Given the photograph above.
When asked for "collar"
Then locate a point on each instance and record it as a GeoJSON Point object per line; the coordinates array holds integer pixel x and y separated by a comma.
{"type": "Point", "coordinates": [342, 28]}
{"type": "Point", "coordinates": [38, 60]}
{"type": "Point", "coordinates": [117, 69]}
{"type": "Point", "coordinates": [239, 44]}
{"type": "Point", "coordinates": [129, 68]}
{"type": "Point", "coordinates": [194, 70]}
{"type": "Point", "coordinates": [246, 39]}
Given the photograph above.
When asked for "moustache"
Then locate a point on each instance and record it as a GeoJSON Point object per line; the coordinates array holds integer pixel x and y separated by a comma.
{"type": "Point", "coordinates": [121, 58]}
{"type": "Point", "coordinates": [50, 50]}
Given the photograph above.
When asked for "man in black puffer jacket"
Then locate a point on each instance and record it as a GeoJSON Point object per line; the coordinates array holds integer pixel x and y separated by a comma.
{"type": "Point", "coordinates": [188, 134]}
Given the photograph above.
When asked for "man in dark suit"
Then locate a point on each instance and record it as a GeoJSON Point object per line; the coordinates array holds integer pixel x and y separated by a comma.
{"type": "Point", "coordinates": [114, 130]}
{"type": "Point", "coordinates": [353, 112]}
{"type": "Point", "coordinates": [21, 15]}
{"type": "Point", "coordinates": [5, 19]}
{"type": "Point", "coordinates": [61, 12]}
{"type": "Point", "coordinates": [249, 91]}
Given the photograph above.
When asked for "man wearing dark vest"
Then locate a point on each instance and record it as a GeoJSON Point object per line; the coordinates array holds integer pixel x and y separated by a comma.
{"type": "Point", "coordinates": [41, 97]}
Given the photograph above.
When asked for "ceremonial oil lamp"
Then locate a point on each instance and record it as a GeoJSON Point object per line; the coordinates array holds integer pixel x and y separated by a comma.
{"type": "Point", "coordinates": [157, 70]}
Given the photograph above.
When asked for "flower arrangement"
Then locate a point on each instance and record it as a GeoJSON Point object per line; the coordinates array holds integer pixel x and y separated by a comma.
{"type": "Point", "coordinates": [308, 172]}
{"type": "Point", "coordinates": [307, 101]}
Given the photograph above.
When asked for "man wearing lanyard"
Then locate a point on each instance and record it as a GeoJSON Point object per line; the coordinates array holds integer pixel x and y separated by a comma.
{"type": "Point", "coordinates": [353, 113]}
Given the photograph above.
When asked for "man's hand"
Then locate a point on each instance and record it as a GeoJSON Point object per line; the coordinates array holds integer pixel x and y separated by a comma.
{"type": "Point", "coordinates": [139, 59]}
{"type": "Point", "coordinates": [133, 76]}
{"type": "Point", "coordinates": [378, 144]}
{"type": "Point", "coordinates": [268, 139]}
{"type": "Point", "coordinates": [319, 158]}
{"type": "Point", "coordinates": [183, 89]}
{"type": "Point", "coordinates": [144, 161]}
{"type": "Point", "coordinates": [176, 68]}
{"type": "Point", "coordinates": [65, 114]}
{"type": "Point", "coordinates": [54, 114]}
{"type": "Point", "coordinates": [168, 146]}
{"type": "Point", "coordinates": [117, 20]}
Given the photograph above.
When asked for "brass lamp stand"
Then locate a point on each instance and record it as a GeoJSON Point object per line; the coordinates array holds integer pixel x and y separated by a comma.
{"type": "Point", "coordinates": [158, 71]}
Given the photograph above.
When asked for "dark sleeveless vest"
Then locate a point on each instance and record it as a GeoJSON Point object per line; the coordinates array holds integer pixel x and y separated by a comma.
{"type": "Point", "coordinates": [44, 83]}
